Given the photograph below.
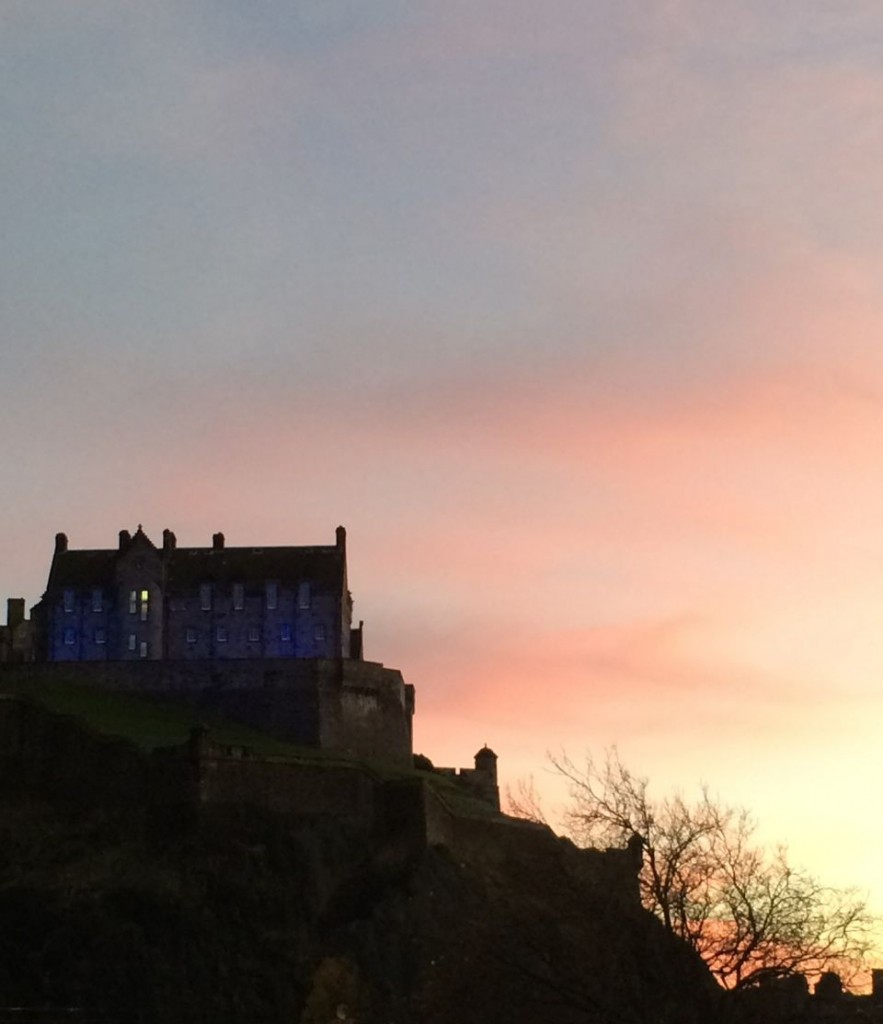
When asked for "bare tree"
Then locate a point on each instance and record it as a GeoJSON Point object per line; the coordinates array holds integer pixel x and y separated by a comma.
{"type": "Point", "coordinates": [524, 802]}
{"type": "Point", "coordinates": [747, 912]}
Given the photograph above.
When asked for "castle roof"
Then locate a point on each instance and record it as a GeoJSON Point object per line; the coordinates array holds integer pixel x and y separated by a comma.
{"type": "Point", "coordinates": [82, 568]}
{"type": "Point", "coordinates": [188, 567]}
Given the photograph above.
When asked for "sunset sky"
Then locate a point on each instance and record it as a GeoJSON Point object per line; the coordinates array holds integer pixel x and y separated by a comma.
{"type": "Point", "coordinates": [571, 312]}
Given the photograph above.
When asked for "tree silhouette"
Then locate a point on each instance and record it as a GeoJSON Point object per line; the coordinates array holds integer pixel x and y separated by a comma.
{"type": "Point", "coordinates": [747, 911]}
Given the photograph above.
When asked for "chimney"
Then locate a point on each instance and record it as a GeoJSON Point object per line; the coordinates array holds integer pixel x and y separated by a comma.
{"type": "Point", "coordinates": [169, 541]}
{"type": "Point", "coordinates": [15, 611]}
{"type": "Point", "coordinates": [125, 539]}
{"type": "Point", "coordinates": [340, 535]}
{"type": "Point", "coordinates": [217, 542]}
{"type": "Point", "coordinates": [60, 543]}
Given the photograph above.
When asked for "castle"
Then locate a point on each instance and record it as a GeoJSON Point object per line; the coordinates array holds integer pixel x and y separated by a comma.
{"type": "Point", "coordinates": [260, 635]}
{"type": "Point", "coordinates": [184, 604]}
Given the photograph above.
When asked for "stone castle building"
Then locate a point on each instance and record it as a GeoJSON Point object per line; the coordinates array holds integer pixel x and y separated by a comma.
{"type": "Point", "coordinates": [142, 602]}
{"type": "Point", "coordinates": [260, 635]}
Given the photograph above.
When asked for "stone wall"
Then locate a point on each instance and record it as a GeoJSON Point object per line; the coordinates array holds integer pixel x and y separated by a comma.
{"type": "Point", "coordinates": [358, 707]}
{"type": "Point", "coordinates": [57, 755]}
{"type": "Point", "coordinates": [17, 636]}
{"type": "Point", "coordinates": [315, 791]}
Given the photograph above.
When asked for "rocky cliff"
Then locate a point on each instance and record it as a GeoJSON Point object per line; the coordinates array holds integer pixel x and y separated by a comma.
{"type": "Point", "coordinates": [133, 908]}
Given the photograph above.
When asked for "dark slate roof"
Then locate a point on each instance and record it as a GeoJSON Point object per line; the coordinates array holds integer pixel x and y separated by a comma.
{"type": "Point", "coordinates": [83, 569]}
{"type": "Point", "coordinates": [186, 568]}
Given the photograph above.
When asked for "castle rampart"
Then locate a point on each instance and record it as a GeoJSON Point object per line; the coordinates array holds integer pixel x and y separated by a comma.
{"type": "Point", "coordinates": [357, 707]}
{"type": "Point", "coordinates": [56, 754]}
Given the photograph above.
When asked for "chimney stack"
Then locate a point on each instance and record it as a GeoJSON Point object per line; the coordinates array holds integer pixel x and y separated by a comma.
{"type": "Point", "coordinates": [60, 543]}
{"type": "Point", "coordinates": [15, 611]}
{"type": "Point", "coordinates": [125, 539]}
{"type": "Point", "coordinates": [169, 541]}
{"type": "Point", "coordinates": [217, 542]}
{"type": "Point", "coordinates": [340, 535]}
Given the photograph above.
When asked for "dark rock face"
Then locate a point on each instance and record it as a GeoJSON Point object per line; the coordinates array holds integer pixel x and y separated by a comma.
{"type": "Point", "coordinates": [238, 915]}
{"type": "Point", "coordinates": [122, 896]}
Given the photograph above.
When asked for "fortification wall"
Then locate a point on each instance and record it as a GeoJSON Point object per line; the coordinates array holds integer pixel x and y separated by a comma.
{"type": "Point", "coordinates": [611, 874]}
{"type": "Point", "coordinates": [57, 755]}
{"type": "Point", "coordinates": [335, 704]}
{"type": "Point", "coordinates": [290, 789]}
{"type": "Point", "coordinates": [376, 709]}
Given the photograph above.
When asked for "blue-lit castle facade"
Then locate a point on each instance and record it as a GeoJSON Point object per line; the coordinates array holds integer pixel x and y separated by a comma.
{"type": "Point", "coordinates": [141, 602]}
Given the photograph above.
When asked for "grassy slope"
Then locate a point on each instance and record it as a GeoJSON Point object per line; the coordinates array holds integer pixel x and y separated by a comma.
{"type": "Point", "coordinates": [151, 723]}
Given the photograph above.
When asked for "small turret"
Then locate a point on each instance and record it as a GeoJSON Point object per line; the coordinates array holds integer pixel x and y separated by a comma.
{"type": "Point", "coordinates": [486, 761]}
{"type": "Point", "coordinates": [15, 611]}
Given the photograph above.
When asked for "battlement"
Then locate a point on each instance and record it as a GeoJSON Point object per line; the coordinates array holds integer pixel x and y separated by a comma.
{"type": "Point", "coordinates": [480, 781]}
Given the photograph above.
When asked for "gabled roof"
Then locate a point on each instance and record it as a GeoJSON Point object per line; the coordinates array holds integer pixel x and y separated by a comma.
{"type": "Point", "coordinates": [83, 569]}
{"type": "Point", "coordinates": [186, 568]}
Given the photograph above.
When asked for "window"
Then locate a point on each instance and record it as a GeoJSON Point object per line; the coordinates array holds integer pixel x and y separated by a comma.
{"type": "Point", "coordinates": [238, 597]}
{"type": "Point", "coordinates": [303, 595]}
{"type": "Point", "coordinates": [97, 601]}
{"type": "Point", "coordinates": [143, 651]}
{"type": "Point", "coordinates": [272, 596]}
{"type": "Point", "coordinates": [69, 600]}
{"type": "Point", "coordinates": [285, 633]}
{"type": "Point", "coordinates": [70, 636]}
{"type": "Point", "coordinates": [145, 604]}
{"type": "Point", "coordinates": [191, 636]}
{"type": "Point", "coordinates": [254, 634]}
{"type": "Point", "coordinates": [221, 635]}
{"type": "Point", "coordinates": [100, 636]}
{"type": "Point", "coordinates": [133, 602]}
{"type": "Point", "coordinates": [319, 632]}
{"type": "Point", "coordinates": [133, 640]}
{"type": "Point", "coordinates": [205, 597]}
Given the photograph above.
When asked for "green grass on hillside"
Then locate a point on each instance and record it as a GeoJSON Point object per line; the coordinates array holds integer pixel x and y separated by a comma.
{"type": "Point", "coordinates": [144, 721]}
{"type": "Point", "coordinates": [151, 723]}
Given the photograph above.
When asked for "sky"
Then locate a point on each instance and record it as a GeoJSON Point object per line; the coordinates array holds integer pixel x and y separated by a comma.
{"type": "Point", "coordinates": [570, 312]}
